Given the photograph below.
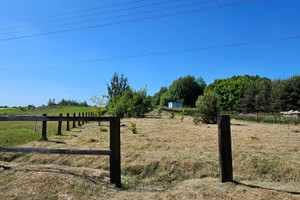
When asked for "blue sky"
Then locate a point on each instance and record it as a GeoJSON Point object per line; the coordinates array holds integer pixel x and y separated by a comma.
{"type": "Point", "coordinates": [22, 84]}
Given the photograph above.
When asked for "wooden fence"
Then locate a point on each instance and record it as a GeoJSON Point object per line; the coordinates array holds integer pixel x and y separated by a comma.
{"type": "Point", "coordinates": [115, 140]}
{"type": "Point", "coordinates": [275, 118]}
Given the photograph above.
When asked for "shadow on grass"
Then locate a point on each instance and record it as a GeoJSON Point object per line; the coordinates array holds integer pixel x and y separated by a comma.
{"type": "Point", "coordinates": [239, 124]}
{"type": "Point", "coordinates": [264, 188]}
{"type": "Point", "coordinates": [57, 142]}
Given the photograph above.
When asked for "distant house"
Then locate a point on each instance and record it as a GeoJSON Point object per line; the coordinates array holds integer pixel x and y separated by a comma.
{"type": "Point", "coordinates": [175, 105]}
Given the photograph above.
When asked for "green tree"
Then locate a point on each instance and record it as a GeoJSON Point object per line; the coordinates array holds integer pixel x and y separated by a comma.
{"type": "Point", "coordinates": [230, 91]}
{"type": "Point", "coordinates": [257, 96]}
{"type": "Point", "coordinates": [185, 89]}
{"type": "Point", "coordinates": [130, 104]}
{"type": "Point", "coordinates": [118, 85]}
{"type": "Point", "coordinates": [207, 108]}
{"type": "Point", "coordinates": [157, 96]}
{"type": "Point", "coordinates": [285, 94]}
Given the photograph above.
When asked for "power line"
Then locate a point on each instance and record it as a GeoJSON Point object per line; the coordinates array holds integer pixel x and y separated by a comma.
{"type": "Point", "coordinates": [94, 14]}
{"type": "Point", "coordinates": [118, 16]}
{"type": "Point", "coordinates": [74, 12]}
{"type": "Point", "coordinates": [135, 20]}
{"type": "Point", "coordinates": [163, 53]}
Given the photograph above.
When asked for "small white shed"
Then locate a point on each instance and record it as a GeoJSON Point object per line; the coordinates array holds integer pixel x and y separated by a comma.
{"type": "Point", "coordinates": [175, 105]}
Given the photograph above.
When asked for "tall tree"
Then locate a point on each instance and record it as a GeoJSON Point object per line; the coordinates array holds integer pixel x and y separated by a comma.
{"type": "Point", "coordinates": [118, 86]}
{"type": "Point", "coordinates": [230, 91]}
{"type": "Point", "coordinates": [257, 96]}
{"type": "Point", "coordinates": [157, 96]}
{"type": "Point", "coordinates": [185, 89]}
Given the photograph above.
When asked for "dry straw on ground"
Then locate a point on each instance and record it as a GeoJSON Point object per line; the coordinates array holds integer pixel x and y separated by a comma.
{"type": "Point", "coordinates": [166, 159]}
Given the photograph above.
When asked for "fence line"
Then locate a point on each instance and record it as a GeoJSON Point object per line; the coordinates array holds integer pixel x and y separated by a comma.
{"type": "Point", "coordinates": [115, 139]}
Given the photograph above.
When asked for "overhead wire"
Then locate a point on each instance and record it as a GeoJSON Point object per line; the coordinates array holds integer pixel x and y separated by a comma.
{"type": "Point", "coordinates": [73, 12]}
{"type": "Point", "coordinates": [161, 53]}
{"type": "Point", "coordinates": [135, 20]}
{"type": "Point", "coordinates": [94, 14]}
{"type": "Point", "coordinates": [117, 16]}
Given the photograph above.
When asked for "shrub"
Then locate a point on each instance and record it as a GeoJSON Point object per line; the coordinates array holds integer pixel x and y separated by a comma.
{"type": "Point", "coordinates": [159, 111]}
{"type": "Point", "coordinates": [172, 116]}
{"type": "Point", "coordinates": [133, 128]}
{"type": "Point", "coordinates": [130, 104]}
{"type": "Point", "coordinates": [196, 119]}
{"type": "Point", "coordinates": [207, 108]}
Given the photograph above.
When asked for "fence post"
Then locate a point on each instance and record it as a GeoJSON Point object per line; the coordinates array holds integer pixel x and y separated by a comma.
{"type": "Point", "coordinates": [74, 115]}
{"type": "Point", "coordinates": [275, 120]}
{"type": "Point", "coordinates": [44, 129]}
{"type": "Point", "coordinates": [86, 115]}
{"type": "Point", "coordinates": [82, 118]}
{"type": "Point", "coordinates": [115, 147]}
{"type": "Point", "coordinates": [79, 120]}
{"type": "Point", "coordinates": [68, 122]}
{"type": "Point", "coordinates": [257, 117]}
{"type": "Point", "coordinates": [225, 153]}
{"type": "Point", "coordinates": [59, 125]}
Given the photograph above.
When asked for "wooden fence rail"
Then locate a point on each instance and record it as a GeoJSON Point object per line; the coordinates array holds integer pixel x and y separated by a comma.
{"type": "Point", "coordinates": [115, 140]}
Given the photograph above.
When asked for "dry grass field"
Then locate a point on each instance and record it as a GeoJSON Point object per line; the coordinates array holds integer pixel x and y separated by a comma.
{"type": "Point", "coordinates": [166, 159]}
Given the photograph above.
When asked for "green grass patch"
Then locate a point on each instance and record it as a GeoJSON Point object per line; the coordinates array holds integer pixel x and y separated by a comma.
{"type": "Point", "coordinates": [18, 133]}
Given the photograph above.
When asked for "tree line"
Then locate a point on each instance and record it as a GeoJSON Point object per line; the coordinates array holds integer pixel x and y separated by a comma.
{"type": "Point", "coordinates": [238, 93]}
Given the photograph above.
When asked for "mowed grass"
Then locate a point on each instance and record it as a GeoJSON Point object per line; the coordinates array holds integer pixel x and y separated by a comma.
{"type": "Point", "coordinates": [17, 133]}
{"type": "Point", "coordinates": [166, 159]}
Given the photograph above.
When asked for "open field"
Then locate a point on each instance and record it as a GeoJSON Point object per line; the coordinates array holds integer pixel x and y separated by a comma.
{"type": "Point", "coordinates": [12, 133]}
{"type": "Point", "coordinates": [166, 159]}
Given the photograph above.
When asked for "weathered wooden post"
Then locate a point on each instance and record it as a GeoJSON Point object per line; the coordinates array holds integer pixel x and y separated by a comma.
{"type": "Point", "coordinates": [115, 147]}
{"type": "Point", "coordinates": [59, 125]}
{"type": "Point", "coordinates": [82, 118]}
{"type": "Point", "coordinates": [44, 129]}
{"type": "Point", "coordinates": [74, 115]}
{"type": "Point", "coordinates": [86, 116]}
{"type": "Point", "coordinates": [225, 153]}
{"type": "Point", "coordinates": [68, 122]}
{"type": "Point", "coordinates": [79, 120]}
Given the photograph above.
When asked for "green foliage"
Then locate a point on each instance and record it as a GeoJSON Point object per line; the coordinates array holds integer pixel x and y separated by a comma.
{"type": "Point", "coordinates": [165, 99]}
{"type": "Point", "coordinates": [185, 89]}
{"type": "Point", "coordinates": [157, 96]}
{"type": "Point", "coordinates": [257, 96]}
{"type": "Point", "coordinates": [133, 128]}
{"type": "Point", "coordinates": [181, 118]}
{"type": "Point", "coordinates": [230, 91]}
{"type": "Point", "coordinates": [172, 115]}
{"type": "Point", "coordinates": [130, 104]}
{"type": "Point", "coordinates": [159, 111]}
{"type": "Point", "coordinates": [118, 85]}
{"type": "Point", "coordinates": [207, 108]}
{"type": "Point", "coordinates": [285, 94]}
{"type": "Point", "coordinates": [65, 102]}
{"type": "Point", "coordinates": [182, 115]}
{"type": "Point", "coordinates": [196, 119]}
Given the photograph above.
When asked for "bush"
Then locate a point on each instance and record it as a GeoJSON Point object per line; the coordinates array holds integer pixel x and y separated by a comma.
{"type": "Point", "coordinates": [196, 119]}
{"type": "Point", "coordinates": [159, 111]}
{"type": "Point", "coordinates": [207, 108]}
{"type": "Point", "coordinates": [172, 115]}
{"type": "Point", "coordinates": [130, 104]}
{"type": "Point", "coordinates": [133, 128]}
